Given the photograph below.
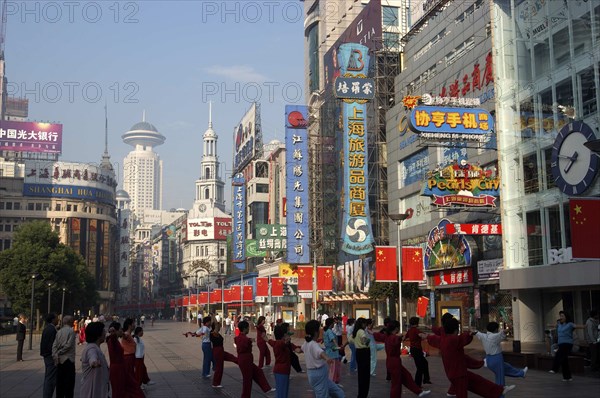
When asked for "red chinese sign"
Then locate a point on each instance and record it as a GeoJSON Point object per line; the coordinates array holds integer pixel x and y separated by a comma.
{"type": "Point", "coordinates": [474, 229]}
{"type": "Point", "coordinates": [453, 277]}
{"type": "Point", "coordinates": [471, 82]}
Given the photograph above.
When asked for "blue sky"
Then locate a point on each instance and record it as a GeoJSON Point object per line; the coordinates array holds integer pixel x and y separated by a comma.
{"type": "Point", "coordinates": [166, 57]}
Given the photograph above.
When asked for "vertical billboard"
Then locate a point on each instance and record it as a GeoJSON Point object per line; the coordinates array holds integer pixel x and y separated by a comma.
{"type": "Point", "coordinates": [125, 247]}
{"type": "Point", "coordinates": [239, 221]}
{"type": "Point", "coordinates": [296, 160]}
{"type": "Point", "coordinates": [247, 138]}
{"type": "Point", "coordinates": [357, 236]}
{"type": "Point", "coordinates": [30, 137]}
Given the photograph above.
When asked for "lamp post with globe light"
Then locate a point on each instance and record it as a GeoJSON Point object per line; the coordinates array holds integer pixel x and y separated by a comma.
{"type": "Point", "coordinates": [33, 278]}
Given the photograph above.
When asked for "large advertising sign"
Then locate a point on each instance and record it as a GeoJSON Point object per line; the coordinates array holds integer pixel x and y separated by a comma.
{"type": "Point", "coordinates": [357, 237]}
{"type": "Point", "coordinates": [365, 29]}
{"type": "Point", "coordinates": [30, 137]}
{"type": "Point", "coordinates": [296, 160]}
{"type": "Point", "coordinates": [208, 228]}
{"type": "Point", "coordinates": [272, 237]}
{"type": "Point", "coordinates": [247, 139]}
{"type": "Point", "coordinates": [445, 123]}
{"type": "Point", "coordinates": [239, 221]}
{"type": "Point", "coordinates": [462, 184]}
{"type": "Point", "coordinates": [446, 251]}
{"type": "Point", "coordinates": [124, 247]}
{"type": "Point", "coordinates": [69, 180]}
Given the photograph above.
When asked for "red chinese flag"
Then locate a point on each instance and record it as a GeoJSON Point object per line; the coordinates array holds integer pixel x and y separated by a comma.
{"type": "Point", "coordinates": [186, 301]}
{"type": "Point", "coordinates": [277, 287]}
{"type": "Point", "coordinates": [412, 264]}
{"type": "Point", "coordinates": [422, 303]}
{"type": "Point", "coordinates": [194, 299]}
{"type": "Point", "coordinates": [203, 298]}
{"type": "Point", "coordinates": [262, 287]}
{"type": "Point", "coordinates": [324, 278]}
{"type": "Point", "coordinates": [236, 293]}
{"type": "Point", "coordinates": [305, 280]}
{"type": "Point", "coordinates": [215, 296]}
{"type": "Point", "coordinates": [248, 293]}
{"type": "Point", "coordinates": [227, 296]}
{"type": "Point", "coordinates": [386, 269]}
{"type": "Point", "coordinates": [172, 303]}
{"type": "Point", "coordinates": [584, 215]}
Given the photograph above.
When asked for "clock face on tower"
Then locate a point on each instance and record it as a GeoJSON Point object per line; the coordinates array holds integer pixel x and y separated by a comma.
{"type": "Point", "coordinates": [202, 208]}
{"type": "Point", "coordinates": [573, 165]}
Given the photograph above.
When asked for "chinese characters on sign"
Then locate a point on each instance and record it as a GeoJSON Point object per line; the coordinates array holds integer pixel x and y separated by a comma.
{"type": "Point", "coordinates": [433, 122]}
{"type": "Point", "coordinates": [453, 277]}
{"type": "Point", "coordinates": [474, 229]}
{"type": "Point", "coordinates": [30, 137]}
{"type": "Point", "coordinates": [239, 220]}
{"type": "Point", "coordinates": [208, 228]}
{"type": "Point", "coordinates": [356, 230]}
{"type": "Point", "coordinates": [355, 88]}
{"type": "Point", "coordinates": [296, 142]}
{"type": "Point", "coordinates": [271, 237]}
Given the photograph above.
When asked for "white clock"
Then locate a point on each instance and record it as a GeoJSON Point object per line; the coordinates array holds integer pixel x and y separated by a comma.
{"type": "Point", "coordinates": [202, 208]}
{"type": "Point", "coordinates": [574, 166]}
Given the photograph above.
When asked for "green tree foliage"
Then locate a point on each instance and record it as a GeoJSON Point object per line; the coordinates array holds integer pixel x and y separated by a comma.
{"type": "Point", "coordinates": [389, 290]}
{"type": "Point", "coordinates": [37, 250]}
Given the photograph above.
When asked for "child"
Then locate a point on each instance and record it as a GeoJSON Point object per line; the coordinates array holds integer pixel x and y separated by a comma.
{"type": "Point", "coordinates": [246, 363]}
{"type": "Point", "coordinates": [451, 345]}
{"type": "Point", "coordinates": [316, 363]}
{"type": "Point", "coordinates": [398, 373]}
{"type": "Point", "coordinates": [141, 373]}
{"type": "Point", "coordinates": [283, 364]}
{"type": "Point", "coordinates": [219, 354]}
{"type": "Point", "coordinates": [416, 351]}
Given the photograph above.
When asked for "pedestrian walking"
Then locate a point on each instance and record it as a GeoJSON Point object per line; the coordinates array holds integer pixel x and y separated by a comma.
{"type": "Point", "coordinates": [264, 354]}
{"type": "Point", "coordinates": [338, 329]}
{"type": "Point", "coordinates": [94, 368]}
{"type": "Point", "coordinates": [451, 345]}
{"type": "Point", "coordinates": [63, 353]}
{"type": "Point", "coordinates": [332, 350]}
{"type": "Point", "coordinates": [141, 373]}
{"type": "Point", "coordinates": [493, 354]}
{"type": "Point", "coordinates": [399, 375]}
{"type": "Point", "coordinates": [415, 336]}
{"type": "Point", "coordinates": [316, 364]}
{"type": "Point", "coordinates": [349, 331]}
{"type": "Point", "coordinates": [204, 333]}
{"type": "Point", "coordinates": [48, 336]}
{"type": "Point", "coordinates": [246, 362]}
{"type": "Point", "coordinates": [82, 327]}
{"type": "Point", "coordinates": [228, 323]}
{"type": "Point", "coordinates": [219, 354]}
{"type": "Point", "coordinates": [592, 338]}
{"type": "Point", "coordinates": [122, 381]}
{"type": "Point", "coordinates": [21, 330]}
{"type": "Point", "coordinates": [564, 332]}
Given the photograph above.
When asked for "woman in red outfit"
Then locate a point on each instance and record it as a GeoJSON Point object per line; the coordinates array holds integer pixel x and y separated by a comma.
{"type": "Point", "coordinates": [264, 354]}
{"type": "Point", "coordinates": [219, 354]}
{"type": "Point", "coordinates": [128, 344]}
{"type": "Point", "coordinates": [122, 383]}
{"type": "Point", "coordinates": [451, 345]}
{"type": "Point", "coordinates": [246, 362]}
{"type": "Point", "coordinates": [393, 362]}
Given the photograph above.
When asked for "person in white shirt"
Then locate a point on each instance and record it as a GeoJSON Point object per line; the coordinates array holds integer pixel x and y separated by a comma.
{"type": "Point", "coordinates": [228, 322]}
{"type": "Point", "coordinates": [141, 373]}
{"type": "Point", "coordinates": [323, 319]}
{"type": "Point", "coordinates": [494, 359]}
{"type": "Point", "coordinates": [316, 364]}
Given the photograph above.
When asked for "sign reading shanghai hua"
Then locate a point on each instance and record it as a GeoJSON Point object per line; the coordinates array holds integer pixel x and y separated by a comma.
{"type": "Point", "coordinates": [357, 237]}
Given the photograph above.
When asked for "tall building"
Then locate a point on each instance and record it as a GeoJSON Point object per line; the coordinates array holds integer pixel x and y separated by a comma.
{"type": "Point", "coordinates": [142, 167]}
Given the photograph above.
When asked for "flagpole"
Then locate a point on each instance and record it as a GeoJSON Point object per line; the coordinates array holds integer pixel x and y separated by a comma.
{"type": "Point", "coordinates": [398, 218]}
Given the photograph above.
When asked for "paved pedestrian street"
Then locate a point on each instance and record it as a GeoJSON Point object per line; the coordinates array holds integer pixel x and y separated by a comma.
{"type": "Point", "coordinates": [174, 362]}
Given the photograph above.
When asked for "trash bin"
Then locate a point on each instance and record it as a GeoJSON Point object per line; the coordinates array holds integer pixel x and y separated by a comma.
{"type": "Point", "coordinates": [517, 346]}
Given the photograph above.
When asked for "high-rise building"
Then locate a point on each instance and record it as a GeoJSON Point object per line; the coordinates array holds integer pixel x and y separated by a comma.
{"type": "Point", "coordinates": [142, 167]}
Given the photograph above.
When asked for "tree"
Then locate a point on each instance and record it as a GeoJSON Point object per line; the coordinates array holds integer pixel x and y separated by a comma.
{"type": "Point", "coordinates": [37, 250]}
{"type": "Point", "coordinates": [389, 290]}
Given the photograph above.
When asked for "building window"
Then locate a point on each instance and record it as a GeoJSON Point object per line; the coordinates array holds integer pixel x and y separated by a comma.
{"type": "Point", "coordinates": [38, 206]}
{"type": "Point", "coordinates": [531, 173]}
{"type": "Point", "coordinates": [534, 238]}
{"type": "Point", "coordinates": [313, 57]}
{"type": "Point", "coordinates": [390, 16]}
{"type": "Point", "coordinates": [262, 188]}
{"type": "Point", "coordinates": [9, 206]}
{"type": "Point", "coordinates": [30, 206]}
{"type": "Point", "coordinates": [261, 169]}
{"type": "Point", "coordinates": [550, 183]}
{"type": "Point", "coordinates": [17, 205]}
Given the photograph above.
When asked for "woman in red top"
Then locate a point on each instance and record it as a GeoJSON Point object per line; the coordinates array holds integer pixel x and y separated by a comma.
{"type": "Point", "coordinates": [122, 383]}
{"type": "Point", "coordinates": [416, 351]}
{"type": "Point", "coordinates": [451, 345]}
{"type": "Point", "coordinates": [128, 344]}
{"type": "Point", "coordinates": [246, 363]}
{"type": "Point", "coordinates": [393, 362]}
{"type": "Point", "coordinates": [219, 354]}
{"type": "Point", "coordinates": [264, 354]}
{"type": "Point", "coordinates": [283, 360]}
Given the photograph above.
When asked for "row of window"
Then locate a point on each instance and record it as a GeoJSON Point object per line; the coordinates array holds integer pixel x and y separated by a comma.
{"type": "Point", "coordinates": [45, 206]}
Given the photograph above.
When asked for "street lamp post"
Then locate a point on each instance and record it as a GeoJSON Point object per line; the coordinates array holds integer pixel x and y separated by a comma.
{"type": "Point", "coordinates": [33, 277]}
{"type": "Point", "coordinates": [314, 246]}
{"type": "Point", "coordinates": [398, 218]}
{"type": "Point", "coordinates": [269, 260]}
{"type": "Point", "coordinates": [62, 305]}
{"type": "Point", "coordinates": [49, 284]}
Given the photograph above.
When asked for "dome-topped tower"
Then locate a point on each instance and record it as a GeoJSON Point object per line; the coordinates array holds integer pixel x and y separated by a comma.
{"type": "Point", "coordinates": [143, 133]}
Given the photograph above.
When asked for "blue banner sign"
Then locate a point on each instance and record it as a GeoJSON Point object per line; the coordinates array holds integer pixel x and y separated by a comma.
{"type": "Point", "coordinates": [453, 123]}
{"type": "Point", "coordinates": [355, 88]}
{"type": "Point", "coordinates": [239, 221]}
{"type": "Point", "coordinates": [68, 191]}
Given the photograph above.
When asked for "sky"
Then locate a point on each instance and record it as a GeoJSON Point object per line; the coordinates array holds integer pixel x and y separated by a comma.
{"type": "Point", "coordinates": [169, 58]}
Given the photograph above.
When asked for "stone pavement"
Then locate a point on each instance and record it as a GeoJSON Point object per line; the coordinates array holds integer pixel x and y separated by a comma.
{"type": "Point", "coordinates": [174, 363]}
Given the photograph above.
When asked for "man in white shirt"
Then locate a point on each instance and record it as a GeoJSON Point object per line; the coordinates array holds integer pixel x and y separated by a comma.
{"type": "Point", "coordinates": [323, 319]}
{"type": "Point", "coordinates": [63, 353]}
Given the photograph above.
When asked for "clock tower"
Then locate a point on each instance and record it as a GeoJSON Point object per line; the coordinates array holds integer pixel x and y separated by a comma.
{"type": "Point", "coordinates": [209, 187]}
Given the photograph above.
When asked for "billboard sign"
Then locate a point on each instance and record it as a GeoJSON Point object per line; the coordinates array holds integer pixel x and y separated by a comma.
{"type": "Point", "coordinates": [446, 251]}
{"type": "Point", "coordinates": [247, 140]}
{"type": "Point", "coordinates": [239, 221]}
{"type": "Point", "coordinates": [208, 228]}
{"type": "Point", "coordinates": [272, 237]}
{"type": "Point", "coordinates": [462, 184]}
{"type": "Point", "coordinates": [354, 88]}
{"type": "Point", "coordinates": [446, 123]}
{"type": "Point", "coordinates": [489, 269]}
{"type": "Point", "coordinates": [30, 137]}
{"type": "Point", "coordinates": [474, 229]}
{"type": "Point", "coordinates": [296, 160]}
{"type": "Point", "coordinates": [357, 237]}
{"type": "Point", "coordinates": [453, 277]}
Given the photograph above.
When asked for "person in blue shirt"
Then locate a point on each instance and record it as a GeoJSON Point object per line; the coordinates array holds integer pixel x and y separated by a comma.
{"type": "Point", "coordinates": [564, 331]}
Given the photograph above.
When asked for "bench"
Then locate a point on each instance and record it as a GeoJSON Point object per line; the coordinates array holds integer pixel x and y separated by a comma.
{"type": "Point", "coordinates": [520, 359]}
{"type": "Point", "coordinates": [544, 362]}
